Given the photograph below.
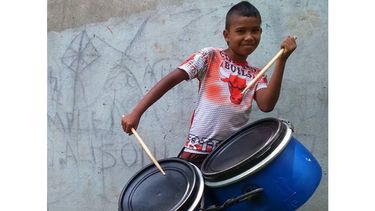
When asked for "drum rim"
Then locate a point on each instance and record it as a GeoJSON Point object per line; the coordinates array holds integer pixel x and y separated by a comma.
{"type": "Point", "coordinates": [257, 167]}
{"type": "Point", "coordinates": [183, 200]}
{"type": "Point", "coordinates": [261, 153]}
{"type": "Point", "coordinates": [198, 198]}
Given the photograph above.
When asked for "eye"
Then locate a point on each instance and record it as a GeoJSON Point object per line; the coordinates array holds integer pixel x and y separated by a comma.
{"type": "Point", "coordinates": [255, 30]}
{"type": "Point", "coordinates": [240, 31]}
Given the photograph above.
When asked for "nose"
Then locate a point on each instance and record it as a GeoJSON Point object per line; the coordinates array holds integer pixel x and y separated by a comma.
{"type": "Point", "coordinates": [249, 36]}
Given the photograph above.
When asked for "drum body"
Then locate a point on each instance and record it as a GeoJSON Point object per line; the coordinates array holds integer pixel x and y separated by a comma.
{"type": "Point", "coordinates": [280, 165]}
{"type": "Point", "coordinates": [181, 188]}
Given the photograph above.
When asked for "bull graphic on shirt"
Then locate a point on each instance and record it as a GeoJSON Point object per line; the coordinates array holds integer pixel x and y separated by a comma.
{"type": "Point", "coordinates": [236, 85]}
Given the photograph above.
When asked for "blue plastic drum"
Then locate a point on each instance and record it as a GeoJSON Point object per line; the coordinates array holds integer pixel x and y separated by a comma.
{"type": "Point", "coordinates": [265, 155]}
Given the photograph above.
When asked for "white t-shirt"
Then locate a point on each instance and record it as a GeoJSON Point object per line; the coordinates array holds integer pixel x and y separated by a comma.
{"type": "Point", "coordinates": [220, 110]}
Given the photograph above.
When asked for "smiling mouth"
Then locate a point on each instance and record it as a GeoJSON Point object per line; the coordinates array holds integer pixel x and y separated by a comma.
{"type": "Point", "coordinates": [248, 46]}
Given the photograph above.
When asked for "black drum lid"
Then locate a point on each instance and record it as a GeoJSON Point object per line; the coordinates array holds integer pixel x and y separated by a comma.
{"type": "Point", "coordinates": [150, 190]}
{"type": "Point", "coordinates": [244, 149]}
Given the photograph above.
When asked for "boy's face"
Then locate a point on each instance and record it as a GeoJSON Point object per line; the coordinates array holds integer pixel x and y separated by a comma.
{"type": "Point", "coordinates": [243, 36]}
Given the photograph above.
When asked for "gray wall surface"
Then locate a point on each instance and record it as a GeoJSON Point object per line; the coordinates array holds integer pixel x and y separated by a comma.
{"type": "Point", "coordinates": [103, 56]}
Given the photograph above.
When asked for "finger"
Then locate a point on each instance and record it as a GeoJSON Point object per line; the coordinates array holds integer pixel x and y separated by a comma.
{"type": "Point", "coordinates": [294, 40]}
{"type": "Point", "coordinates": [125, 125]}
{"type": "Point", "coordinates": [124, 128]}
{"type": "Point", "coordinates": [128, 129]}
{"type": "Point", "coordinates": [290, 41]}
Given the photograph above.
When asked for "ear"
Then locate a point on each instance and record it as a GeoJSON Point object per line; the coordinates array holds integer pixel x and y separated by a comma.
{"type": "Point", "coordinates": [226, 35]}
{"type": "Point", "coordinates": [261, 30]}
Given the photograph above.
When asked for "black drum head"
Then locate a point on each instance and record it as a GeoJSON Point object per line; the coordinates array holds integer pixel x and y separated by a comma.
{"type": "Point", "coordinates": [244, 149]}
{"type": "Point", "coordinates": [150, 190]}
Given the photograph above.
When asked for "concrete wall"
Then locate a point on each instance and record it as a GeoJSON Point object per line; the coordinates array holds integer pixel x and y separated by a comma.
{"type": "Point", "coordinates": [103, 56]}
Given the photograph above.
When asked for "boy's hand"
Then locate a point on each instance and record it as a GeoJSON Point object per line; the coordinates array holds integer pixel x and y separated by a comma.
{"type": "Point", "coordinates": [289, 45]}
{"type": "Point", "coordinates": [130, 121]}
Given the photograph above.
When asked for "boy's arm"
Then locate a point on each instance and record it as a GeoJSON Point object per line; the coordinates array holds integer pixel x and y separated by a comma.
{"type": "Point", "coordinates": [267, 98]}
{"type": "Point", "coordinates": [131, 120]}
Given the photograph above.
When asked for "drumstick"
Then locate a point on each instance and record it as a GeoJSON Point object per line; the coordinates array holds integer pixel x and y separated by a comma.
{"type": "Point", "coordinates": [265, 68]}
{"type": "Point", "coordinates": [139, 139]}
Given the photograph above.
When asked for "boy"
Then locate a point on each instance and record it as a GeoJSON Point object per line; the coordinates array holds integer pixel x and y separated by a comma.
{"type": "Point", "coordinates": [222, 75]}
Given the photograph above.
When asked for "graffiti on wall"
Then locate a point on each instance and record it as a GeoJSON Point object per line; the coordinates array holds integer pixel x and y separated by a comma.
{"type": "Point", "coordinates": [94, 79]}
